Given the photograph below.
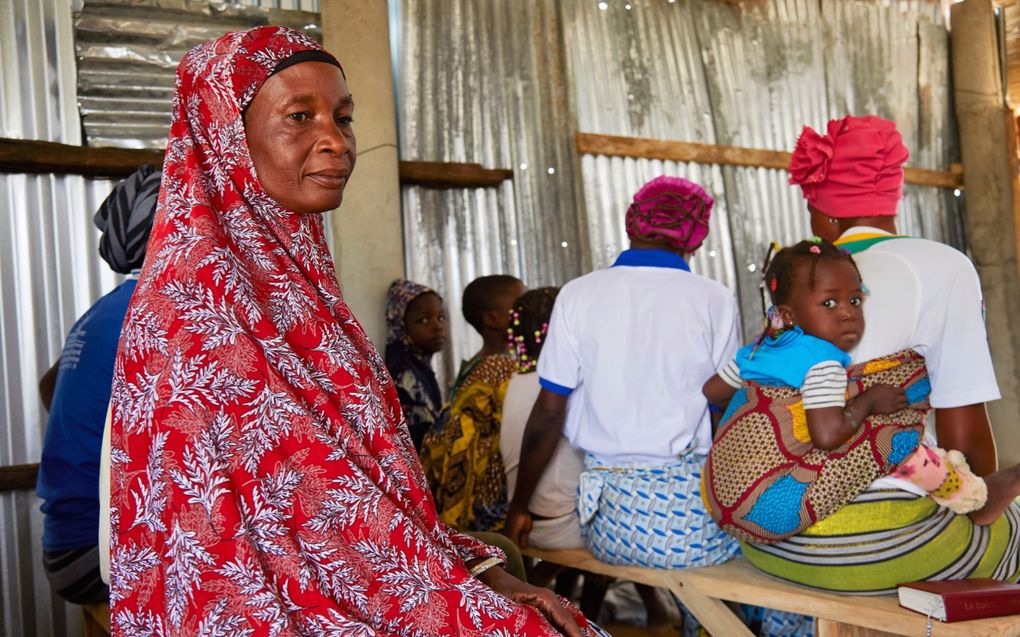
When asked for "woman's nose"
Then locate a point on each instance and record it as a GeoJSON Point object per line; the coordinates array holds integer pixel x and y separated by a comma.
{"type": "Point", "coordinates": [333, 139]}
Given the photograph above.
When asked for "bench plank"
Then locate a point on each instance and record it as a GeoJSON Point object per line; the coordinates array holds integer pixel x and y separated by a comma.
{"type": "Point", "coordinates": [703, 591]}
{"type": "Point", "coordinates": [738, 581]}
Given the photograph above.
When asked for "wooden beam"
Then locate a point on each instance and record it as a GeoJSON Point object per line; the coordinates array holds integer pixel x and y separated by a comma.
{"type": "Point", "coordinates": [644, 148]}
{"type": "Point", "coordinates": [18, 477]}
{"type": "Point", "coordinates": [37, 157]}
{"type": "Point", "coordinates": [451, 175]}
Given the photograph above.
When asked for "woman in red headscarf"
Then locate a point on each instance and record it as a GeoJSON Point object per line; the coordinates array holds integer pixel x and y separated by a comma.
{"type": "Point", "coordinates": [263, 482]}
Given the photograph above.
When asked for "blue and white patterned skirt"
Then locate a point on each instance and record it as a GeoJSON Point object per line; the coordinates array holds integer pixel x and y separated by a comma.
{"type": "Point", "coordinates": [646, 514]}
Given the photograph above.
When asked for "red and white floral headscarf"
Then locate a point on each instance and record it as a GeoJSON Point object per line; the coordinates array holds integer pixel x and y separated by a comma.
{"type": "Point", "coordinates": [263, 483]}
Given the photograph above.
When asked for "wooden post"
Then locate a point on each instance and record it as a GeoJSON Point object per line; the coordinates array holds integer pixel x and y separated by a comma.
{"type": "Point", "coordinates": [367, 229]}
{"type": "Point", "coordinates": [986, 132]}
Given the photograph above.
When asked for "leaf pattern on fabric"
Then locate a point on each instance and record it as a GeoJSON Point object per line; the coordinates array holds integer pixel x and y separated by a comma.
{"type": "Point", "coordinates": [262, 480]}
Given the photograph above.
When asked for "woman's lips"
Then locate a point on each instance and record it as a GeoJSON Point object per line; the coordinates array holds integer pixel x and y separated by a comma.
{"type": "Point", "coordinates": [333, 179]}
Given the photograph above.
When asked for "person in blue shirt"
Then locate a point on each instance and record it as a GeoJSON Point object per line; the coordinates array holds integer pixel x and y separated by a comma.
{"type": "Point", "coordinates": [68, 480]}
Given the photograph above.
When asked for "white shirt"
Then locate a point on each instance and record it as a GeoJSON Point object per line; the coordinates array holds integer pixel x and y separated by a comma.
{"type": "Point", "coordinates": [927, 296]}
{"type": "Point", "coordinates": [556, 492]}
{"type": "Point", "coordinates": [632, 345]}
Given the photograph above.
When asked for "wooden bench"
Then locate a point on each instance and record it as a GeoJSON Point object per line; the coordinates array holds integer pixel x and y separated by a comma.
{"type": "Point", "coordinates": [704, 592]}
{"type": "Point", "coordinates": [95, 620]}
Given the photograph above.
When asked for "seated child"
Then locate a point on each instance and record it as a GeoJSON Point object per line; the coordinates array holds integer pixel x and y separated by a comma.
{"type": "Point", "coordinates": [415, 330]}
{"type": "Point", "coordinates": [554, 505]}
{"type": "Point", "coordinates": [796, 443]}
{"type": "Point", "coordinates": [461, 457]}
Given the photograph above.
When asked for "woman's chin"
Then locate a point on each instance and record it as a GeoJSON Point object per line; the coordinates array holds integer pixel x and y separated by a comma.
{"type": "Point", "coordinates": [321, 205]}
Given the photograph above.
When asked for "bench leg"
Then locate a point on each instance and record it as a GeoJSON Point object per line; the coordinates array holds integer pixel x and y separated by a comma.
{"type": "Point", "coordinates": [95, 620]}
{"type": "Point", "coordinates": [713, 614]}
{"type": "Point", "coordinates": [830, 628]}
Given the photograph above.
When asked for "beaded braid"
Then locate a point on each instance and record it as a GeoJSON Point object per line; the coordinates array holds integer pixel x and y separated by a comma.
{"type": "Point", "coordinates": [529, 322]}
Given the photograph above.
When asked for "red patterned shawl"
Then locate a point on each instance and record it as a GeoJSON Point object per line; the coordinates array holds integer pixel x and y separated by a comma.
{"type": "Point", "coordinates": [263, 482]}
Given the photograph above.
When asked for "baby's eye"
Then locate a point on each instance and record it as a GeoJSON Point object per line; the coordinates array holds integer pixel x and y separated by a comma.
{"type": "Point", "coordinates": [442, 318]}
{"type": "Point", "coordinates": [856, 300]}
{"type": "Point", "coordinates": [830, 303]}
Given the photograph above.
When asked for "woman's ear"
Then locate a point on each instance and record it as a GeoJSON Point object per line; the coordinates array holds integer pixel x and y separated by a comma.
{"type": "Point", "coordinates": [786, 313]}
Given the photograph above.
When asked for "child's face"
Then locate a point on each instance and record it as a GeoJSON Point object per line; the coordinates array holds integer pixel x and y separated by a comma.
{"type": "Point", "coordinates": [425, 322]}
{"type": "Point", "coordinates": [832, 311]}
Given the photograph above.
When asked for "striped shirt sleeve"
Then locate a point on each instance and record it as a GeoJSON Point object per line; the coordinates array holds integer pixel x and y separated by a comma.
{"type": "Point", "coordinates": [824, 386]}
{"type": "Point", "coordinates": [731, 374]}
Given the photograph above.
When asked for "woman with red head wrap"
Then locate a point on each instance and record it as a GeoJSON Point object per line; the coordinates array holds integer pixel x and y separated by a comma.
{"type": "Point", "coordinates": [263, 481]}
{"type": "Point", "coordinates": [922, 296]}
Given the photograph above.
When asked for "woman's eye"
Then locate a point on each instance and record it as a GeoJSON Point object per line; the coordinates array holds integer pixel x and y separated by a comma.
{"type": "Point", "coordinates": [299, 116]}
{"type": "Point", "coordinates": [344, 120]}
{"type": "Point", "coordinates": [830, 303]}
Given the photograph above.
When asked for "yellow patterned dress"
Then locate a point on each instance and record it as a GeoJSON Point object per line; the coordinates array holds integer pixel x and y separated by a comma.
{"type": "Point", "coordinates": [461, 458]}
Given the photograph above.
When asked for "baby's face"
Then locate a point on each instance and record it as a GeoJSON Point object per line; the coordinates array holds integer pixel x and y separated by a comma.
{"type": "Point", "coordinates": [833, 309]}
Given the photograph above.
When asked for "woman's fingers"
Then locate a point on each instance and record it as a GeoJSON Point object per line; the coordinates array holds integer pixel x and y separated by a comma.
{"type": "Point", "coordinates": [550, 606]}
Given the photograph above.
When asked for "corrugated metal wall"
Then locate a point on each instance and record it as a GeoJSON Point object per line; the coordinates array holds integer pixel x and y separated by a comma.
{"type": "Point", "coordinates": [127, 58]}
{"type": "Point", "coordinates": [504, 83]}
{"type": "Point", "coordinates": [745, 73]}
{"type": "Point", "coordinates": [483, 82]}
{"type": "Point", "coordinates": [50, 273]}
{"type": "Point", "coordinates": [751, 74]}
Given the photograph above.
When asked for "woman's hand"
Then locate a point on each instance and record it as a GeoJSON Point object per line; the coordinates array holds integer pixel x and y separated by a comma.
{"type": "Point", "coordinates": [543, 599]}
{"type": "Point", "coordinates": [517, 526]}
{"type": "Point", "coordinates": [884, 399]}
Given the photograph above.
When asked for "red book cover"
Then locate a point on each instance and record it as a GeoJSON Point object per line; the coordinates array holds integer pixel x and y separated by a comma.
{"type": "Point", "coordinates": [959, 600]}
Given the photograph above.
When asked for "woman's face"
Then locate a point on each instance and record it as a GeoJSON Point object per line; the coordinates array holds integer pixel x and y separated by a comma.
{"type": "Point", "coordinates": [300, 137]}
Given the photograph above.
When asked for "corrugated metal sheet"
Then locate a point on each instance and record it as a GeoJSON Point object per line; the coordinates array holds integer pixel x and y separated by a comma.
{"type": "Point", "coordinates": [751, 73]}
{"type": "Point", "coordinates": [483, 82]}
{"type": "Point", "coordinates": [50, 273]}
{"type": "Point", "coordinates": [128, 52]}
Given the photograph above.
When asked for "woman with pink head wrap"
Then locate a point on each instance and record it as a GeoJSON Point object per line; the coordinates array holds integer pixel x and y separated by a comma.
{"type": "Point", "coordinates": [922, 296]}
{"type": "Point", "coordinates": [630, 345]}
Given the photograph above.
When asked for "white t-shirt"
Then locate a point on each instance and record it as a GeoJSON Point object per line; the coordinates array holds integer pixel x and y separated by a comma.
{"type": "Point", "coordinates": [632, 345]}
{"type": "Point", "coordinates": [927, 296]}
{"type": "Point", "coordinates": [556, 492]}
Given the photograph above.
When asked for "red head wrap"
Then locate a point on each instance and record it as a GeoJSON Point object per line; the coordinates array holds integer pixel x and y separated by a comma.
{"type": "Point", "coordinates": [855, 170]}
{"type": "Point", "coordinates": [670, 210]}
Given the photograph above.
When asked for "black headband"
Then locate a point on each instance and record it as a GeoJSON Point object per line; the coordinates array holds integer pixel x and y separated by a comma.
{"type": "Point", "coordinates": [311, 55]}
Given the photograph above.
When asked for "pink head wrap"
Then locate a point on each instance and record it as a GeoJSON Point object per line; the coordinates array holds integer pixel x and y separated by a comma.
{"type": "Point", "coordinates": [670, 210]}
{"type": "Point", "coordinates": [855, 170]}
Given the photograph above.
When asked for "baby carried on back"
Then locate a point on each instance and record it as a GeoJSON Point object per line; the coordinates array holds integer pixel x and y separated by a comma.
{"type": "Point", "coordinates": [803, 434]}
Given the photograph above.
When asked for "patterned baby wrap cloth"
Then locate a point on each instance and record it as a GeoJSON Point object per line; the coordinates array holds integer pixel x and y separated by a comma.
{"type": "Point", "coordinates": [764, 481]}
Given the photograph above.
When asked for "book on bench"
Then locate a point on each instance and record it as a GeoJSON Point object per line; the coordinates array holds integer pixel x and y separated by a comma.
{"type": "Point", "coordinates": [959, 600]}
